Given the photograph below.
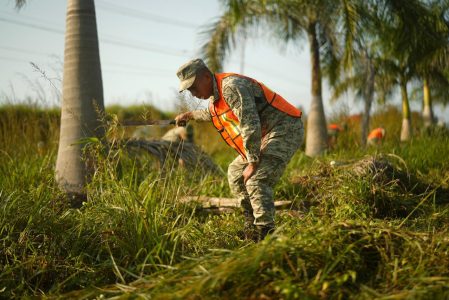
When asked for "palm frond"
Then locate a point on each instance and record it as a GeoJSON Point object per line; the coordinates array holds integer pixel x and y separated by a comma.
{"type": "Point", "coordinates": [351, 17]}
{"type": "Point", "coordinates": [353, 83]}
{"type": "Point", "coordinates": [221, 36]}
{"type": "Point", "coordinates": [219, 40]}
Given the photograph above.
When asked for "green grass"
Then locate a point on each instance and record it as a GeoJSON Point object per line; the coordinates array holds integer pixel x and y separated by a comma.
{"type": "Point", "coordinates": [354, 237]}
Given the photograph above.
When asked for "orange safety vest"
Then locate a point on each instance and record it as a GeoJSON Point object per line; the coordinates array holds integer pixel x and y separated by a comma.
{"type": "Point", "coordinates": [227, 123]}
{"type": "Point", "coordinates": [377, 133]}
{"type": "Point", "coordinates": [335, 127]}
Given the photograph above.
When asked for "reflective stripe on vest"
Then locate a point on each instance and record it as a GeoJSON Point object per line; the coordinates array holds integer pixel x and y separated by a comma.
{"type": "Point", "coordinates": [227, 123]}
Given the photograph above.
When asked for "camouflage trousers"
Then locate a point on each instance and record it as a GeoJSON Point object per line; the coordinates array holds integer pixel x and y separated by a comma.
{"type": "Point", "coordinates": [256, 196]}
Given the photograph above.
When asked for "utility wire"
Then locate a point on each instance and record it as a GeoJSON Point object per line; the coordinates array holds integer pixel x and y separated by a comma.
{"type": "Point", "coordinates": [139, 73]}
{"type": "Point", "coordinates": [135, 68]}
{"type": "Point", "coordinates": [32, 18]}
{"type": "Point", "coordinates": [106, 69]}
{"type": "Point", "coordinates": [117, 42]}
{"type": "Point", "coordinates": [133, 45]}
{"type": "Point", "coordinates": [8, 48]}
{"type": "Point", "coordinates": [13, 59]}
{"type": "Point", "coordinates": [35, 26]}
{"type": "Point", "coordinates": [109, 39]}
{"type": "Point", "coordinates": [144, 15]}
{"type": "Point", "coordinates": [147, 47]}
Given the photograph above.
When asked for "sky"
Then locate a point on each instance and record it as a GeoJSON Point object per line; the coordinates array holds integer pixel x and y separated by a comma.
{"type": "Point", "coordinates": [142, 44]}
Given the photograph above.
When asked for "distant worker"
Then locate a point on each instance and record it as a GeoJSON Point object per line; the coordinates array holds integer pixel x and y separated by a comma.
{"type": "Point", "coordinates": [333, 131]}
{"type": "Point", "coordinates": [259, 124]}
{"type": "Point", "coordinates": [175, 134]}
{"type": "Point", "coordinates": [376, 136]}
{"type": "Point", "coordinates": [179, 134]}
{"type": "Point", "coordinates": [144, 133]}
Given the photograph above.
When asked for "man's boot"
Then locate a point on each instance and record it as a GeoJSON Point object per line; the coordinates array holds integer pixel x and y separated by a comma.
{"type": "Point", "coordinates": [249, 230]}
{"type": "Point", "coordinates": [262, 231]}
{"type": "Point", "coordinates": [249, 220]}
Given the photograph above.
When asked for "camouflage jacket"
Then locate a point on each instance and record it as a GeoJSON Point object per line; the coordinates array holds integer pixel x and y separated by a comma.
{"type": "Point", "coordinates": [246, 99]}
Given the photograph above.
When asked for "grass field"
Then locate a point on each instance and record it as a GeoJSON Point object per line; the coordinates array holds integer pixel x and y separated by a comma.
{"type": "Point", "coordinates": [348, 234]}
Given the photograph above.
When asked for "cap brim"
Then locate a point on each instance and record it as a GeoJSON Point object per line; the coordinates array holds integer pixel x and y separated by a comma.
{"type": "Point", "coordinates": [185, 84]}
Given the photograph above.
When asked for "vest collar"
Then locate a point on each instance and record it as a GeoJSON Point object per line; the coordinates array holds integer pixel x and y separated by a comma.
{"type": "Point", "coordinates": [216, 94]}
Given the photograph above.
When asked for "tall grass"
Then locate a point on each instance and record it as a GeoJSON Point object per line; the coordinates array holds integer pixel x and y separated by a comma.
{"type": "Point", "coordinates": [346, 236]}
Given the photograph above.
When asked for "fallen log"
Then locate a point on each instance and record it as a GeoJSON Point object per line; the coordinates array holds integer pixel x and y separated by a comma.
{"type": "Point", "coordinates": [225, 203]}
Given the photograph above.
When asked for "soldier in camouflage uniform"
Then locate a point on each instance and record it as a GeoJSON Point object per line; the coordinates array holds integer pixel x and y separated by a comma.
{"type": "Point", "coordinates": [270, 138]}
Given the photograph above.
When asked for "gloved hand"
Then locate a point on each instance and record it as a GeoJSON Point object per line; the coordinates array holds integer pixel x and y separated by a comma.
{"type": "Point", "coordinates": [182, 119]}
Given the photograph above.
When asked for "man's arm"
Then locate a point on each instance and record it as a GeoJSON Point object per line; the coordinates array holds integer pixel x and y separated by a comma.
{"type": "Point", "coordinates": [240, 99]}
{"type": "Point", "coordinates": [198, 115]}
{"type": "Point", "coordinates": [201, 115]}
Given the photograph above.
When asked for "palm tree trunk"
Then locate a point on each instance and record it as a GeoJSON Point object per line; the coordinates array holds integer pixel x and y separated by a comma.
{"type": "Point", "coordinates": [368, 95]}
{"type": "Point", "coordinates": [427, 113]}
{"type": "Point", "coordinates": [406, 129]}
{"type": "Point", "coordinates": [316, 137]}
{"type": "Point", "coordinates": [82, 101]}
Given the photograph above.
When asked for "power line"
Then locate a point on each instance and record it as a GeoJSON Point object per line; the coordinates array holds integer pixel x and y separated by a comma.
{"type": "Point", "coordinates": [131, 44]}
{"type": "Point", "coordinates": [144, 15]}
{"type": "Point", "coordinates": [30, 25]}
{"type": "Point", "coordinates": [137, 72]}
{"type": "Point", "coordinates": [135, 68]}
{"type": "Point", "coordinates": [32, 18]}
{"type": "Point", "coordinates": [147, 47]}
{"type": "Point", "coordinates": [115, 41]}
{"type": "Point", "coordinates": [132, 69]}
{"type": "Point", "coordinates": [14, 59]}
{"type": "Point", "coordinates": [142, 68]}
{"type": "Point", "coordinates": [106, 70]}
{"type": "Point", "coordinates": [129, 69]}
{"type": "Point", "coordinates": [8, 48]}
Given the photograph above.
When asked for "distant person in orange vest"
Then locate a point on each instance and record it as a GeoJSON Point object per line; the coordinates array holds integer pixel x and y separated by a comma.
{"type": "Point", "coordinates": [262, 127]}
{"type": "Point", "coordinates": [333, 131]}
{"type": "Point", "coordinates": [376, 136]}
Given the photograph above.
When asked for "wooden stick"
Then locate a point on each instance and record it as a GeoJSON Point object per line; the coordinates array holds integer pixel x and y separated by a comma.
{"type": "Point", "coordinates": [217, 202]}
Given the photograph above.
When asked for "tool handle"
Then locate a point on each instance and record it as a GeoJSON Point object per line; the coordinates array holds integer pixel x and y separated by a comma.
{"type": "Point", "coordinates": [180, 123]}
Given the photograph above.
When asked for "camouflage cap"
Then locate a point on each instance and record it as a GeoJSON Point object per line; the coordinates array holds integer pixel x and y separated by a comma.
{"type": "Point", "coordinates": [187, 73]}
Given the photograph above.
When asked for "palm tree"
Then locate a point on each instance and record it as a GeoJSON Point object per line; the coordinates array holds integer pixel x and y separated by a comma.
{"type": "Point", "coordinates": [435, 89]}
{"type": "Point", "coordinates": [361, 79]}
{"type": "Point", "coordinates": [358, 63]}
{"type": "Point", "coordinates": [393, 38]}
{"type": "Point", "coordinates": [434, 63]}
{"type": "Point", "coordinates": [427, 112]}
{"type": "Point", "coordinates": [415, 37]}
{"type": "Point", "coordinates": [392, 74]}
{"type": "Point", "coordinates": [82, 97]}
{"type": "Point", "coordinates": [406, 128]}
{"type": "Point", "coordinates": [287, 20]}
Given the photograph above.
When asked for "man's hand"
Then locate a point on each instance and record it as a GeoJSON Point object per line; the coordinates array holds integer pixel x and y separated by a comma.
{"type": "Point", "coordinates": [182, 119]}
{"type": "Point", "coordinates": [249, 171]}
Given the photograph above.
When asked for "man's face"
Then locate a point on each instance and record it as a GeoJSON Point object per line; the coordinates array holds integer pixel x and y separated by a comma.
{"type": "Point", "coordinates": [202, 86]}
